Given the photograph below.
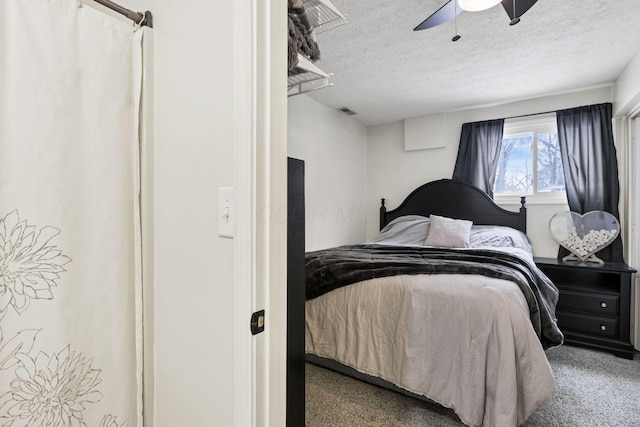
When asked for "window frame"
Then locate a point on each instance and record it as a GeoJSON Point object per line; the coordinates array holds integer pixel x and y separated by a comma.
{"type": "Point", "coordinates": [532, 126]}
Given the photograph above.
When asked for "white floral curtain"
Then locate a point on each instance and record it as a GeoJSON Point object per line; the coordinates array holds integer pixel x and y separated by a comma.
{"type": "Point", "coordinates": [70, 332]}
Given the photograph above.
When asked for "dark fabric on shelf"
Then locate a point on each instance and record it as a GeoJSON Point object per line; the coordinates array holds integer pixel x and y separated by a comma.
{"type": "Point", "coordinates": [330, 269]}
{"type": "Point", "coordinates": [301, 35]}
{"type": "Point", "coordinates": [300, 41]}
{"type": "Point", "coordinates": [478, 154]}
{"type": "Point", "coordinates": [585, 136]}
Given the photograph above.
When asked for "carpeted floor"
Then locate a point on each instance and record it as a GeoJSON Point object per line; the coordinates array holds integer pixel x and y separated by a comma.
{"type": "Point", "coordinates": [594, 389]}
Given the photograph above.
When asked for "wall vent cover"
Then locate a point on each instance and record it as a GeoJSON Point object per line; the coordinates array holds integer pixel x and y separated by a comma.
{"type": "Point", "coordinates": [347, 111]}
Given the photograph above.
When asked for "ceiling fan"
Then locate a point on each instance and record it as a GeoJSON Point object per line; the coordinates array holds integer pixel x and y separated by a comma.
{"type": "Point", "coordinates": [452, 8]}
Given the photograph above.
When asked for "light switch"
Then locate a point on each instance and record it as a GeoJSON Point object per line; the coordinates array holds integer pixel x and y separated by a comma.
{"type": "Point", "coordinates": [226, 212]}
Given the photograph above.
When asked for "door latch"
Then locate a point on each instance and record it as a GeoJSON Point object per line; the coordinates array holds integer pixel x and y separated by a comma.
{"type": "Point", "coordinates": [257, 322]}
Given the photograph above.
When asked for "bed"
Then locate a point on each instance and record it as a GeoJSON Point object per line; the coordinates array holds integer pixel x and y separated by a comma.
{"type": "Point", "coordinates": [445, 304]}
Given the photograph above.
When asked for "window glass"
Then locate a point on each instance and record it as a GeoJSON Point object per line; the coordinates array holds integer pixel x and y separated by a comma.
{"type": "Point", "coordinates": [530, 163]}
{"type": "Point", "coordinates": [550, 173]}
{"type": "Point", "coordinates": [515, 169]}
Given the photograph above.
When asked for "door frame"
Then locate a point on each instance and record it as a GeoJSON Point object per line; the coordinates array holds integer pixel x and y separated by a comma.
{"type": "Point", "coordinates": [633, 217]}
{"type": "Point", "coordinates": [260, 245]}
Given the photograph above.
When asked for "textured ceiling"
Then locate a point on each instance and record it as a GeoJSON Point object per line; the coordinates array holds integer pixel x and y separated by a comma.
{"type": "Point", "coordinates": [384, 71]}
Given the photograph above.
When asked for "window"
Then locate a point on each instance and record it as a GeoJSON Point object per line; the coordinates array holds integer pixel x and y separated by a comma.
{"type": "Point", "coordinates": [530, 163]}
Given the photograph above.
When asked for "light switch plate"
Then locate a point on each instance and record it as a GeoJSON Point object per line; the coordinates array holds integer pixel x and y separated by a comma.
{"type": "Point", "coordinates": [226, 212]}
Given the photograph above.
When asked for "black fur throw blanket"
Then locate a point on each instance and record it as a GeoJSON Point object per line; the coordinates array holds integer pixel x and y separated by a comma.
{"type": "Point", "coordinates": [330, 269]}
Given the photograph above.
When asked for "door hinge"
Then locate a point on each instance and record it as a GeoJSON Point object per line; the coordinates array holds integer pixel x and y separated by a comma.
{"type": "Point", "coordinates": [257, 322]}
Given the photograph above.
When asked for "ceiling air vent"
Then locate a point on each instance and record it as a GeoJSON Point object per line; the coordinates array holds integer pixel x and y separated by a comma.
{"type": "Point", "coordinates": [347, 111]}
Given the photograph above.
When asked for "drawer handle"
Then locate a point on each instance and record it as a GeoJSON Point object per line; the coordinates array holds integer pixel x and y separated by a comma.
{"type": "Point", "coordinates": [603, 304]}
{"type": "Point", "coordinates": [603, 327]}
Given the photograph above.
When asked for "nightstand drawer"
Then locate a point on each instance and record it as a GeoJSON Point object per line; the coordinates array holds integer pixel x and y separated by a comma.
{"type": "Point", "coordinates": [598, 304]}
{"type": "Point", "coordinates": [591, 325]}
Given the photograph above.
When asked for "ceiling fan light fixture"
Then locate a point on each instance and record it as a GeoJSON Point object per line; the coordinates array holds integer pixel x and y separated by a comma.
{"type": "Point", "coordinates": [477, 5]}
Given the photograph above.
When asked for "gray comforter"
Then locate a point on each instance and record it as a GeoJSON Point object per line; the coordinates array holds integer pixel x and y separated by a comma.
{"type": "Point", "coordinates": [336, 267]}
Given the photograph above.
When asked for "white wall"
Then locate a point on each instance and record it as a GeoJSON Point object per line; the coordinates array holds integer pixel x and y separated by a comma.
{"type": "Point", "coordinates": [194, 267]}
{"type": "Point", "coordinates": [394, 172]}
{"type": "Point", "coordinates": [627, 88]}
{"type": "Point", "coordinates": [334, 149]}
{"type": "Point", "coordinates": [194, 154]}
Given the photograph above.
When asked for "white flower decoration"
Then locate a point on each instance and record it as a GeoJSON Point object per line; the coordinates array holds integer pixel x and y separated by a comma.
{"type": "Point", "coordinates": [29, 264]}
{"type": "Point", "coordinates": [50, 391]}
{"type": "Point", "coordinates": [584, 245]}
{"type": "Point", "coordinates": [111, 421]}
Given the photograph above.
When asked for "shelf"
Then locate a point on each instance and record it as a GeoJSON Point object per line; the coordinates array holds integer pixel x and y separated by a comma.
{"type": "Point", "coordinates": [323, 15]}
{"type": "Point", "coordinates": [307, 77]}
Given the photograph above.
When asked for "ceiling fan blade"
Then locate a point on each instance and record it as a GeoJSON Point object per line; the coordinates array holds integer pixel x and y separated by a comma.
{"type": "Point", "coordinates": [446, 13]}
{"type": "Point", "coordinates": [521, 7]}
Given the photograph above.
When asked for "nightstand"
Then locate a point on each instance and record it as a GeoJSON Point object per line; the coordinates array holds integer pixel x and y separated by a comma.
{"type": "Point", "coordinates": [594, 305]}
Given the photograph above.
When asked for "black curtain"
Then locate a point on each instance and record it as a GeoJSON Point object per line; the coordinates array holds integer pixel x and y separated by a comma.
{"type": "Point", "coordinates": [478, 154]}
{"type": "Point", "coordinates": [585, 136]}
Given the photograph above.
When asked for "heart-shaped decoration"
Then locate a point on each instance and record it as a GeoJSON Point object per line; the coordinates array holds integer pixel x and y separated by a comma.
{"type": "Point", "coordinates": [584, 235]}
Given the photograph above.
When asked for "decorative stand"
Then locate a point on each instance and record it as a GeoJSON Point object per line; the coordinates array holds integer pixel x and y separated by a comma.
{"type": "Point", "coordinates": [584, 235]}
{"type": "Point", "coordinates": [590, 258]}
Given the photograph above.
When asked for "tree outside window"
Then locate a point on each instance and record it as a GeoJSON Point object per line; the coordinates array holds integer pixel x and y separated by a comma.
{"type": "Point", "coordinates": [530, 162]}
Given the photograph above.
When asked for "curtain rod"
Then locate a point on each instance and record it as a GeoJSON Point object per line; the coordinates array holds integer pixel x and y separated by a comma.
{"type": "Point", "coordinates": [546, 112]}
{"type": "Point", "coordinates": [528, 115]}
{"type": "Point", "coordinates": [145, 19]}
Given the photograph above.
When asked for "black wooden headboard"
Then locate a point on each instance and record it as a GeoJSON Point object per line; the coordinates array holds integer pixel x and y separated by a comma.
{"type": "Point", "coordinates": [455, 199]}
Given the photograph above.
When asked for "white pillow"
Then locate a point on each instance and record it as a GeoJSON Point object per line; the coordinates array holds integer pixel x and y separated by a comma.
{"type": "Point", "coordinates": [448, 232]}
